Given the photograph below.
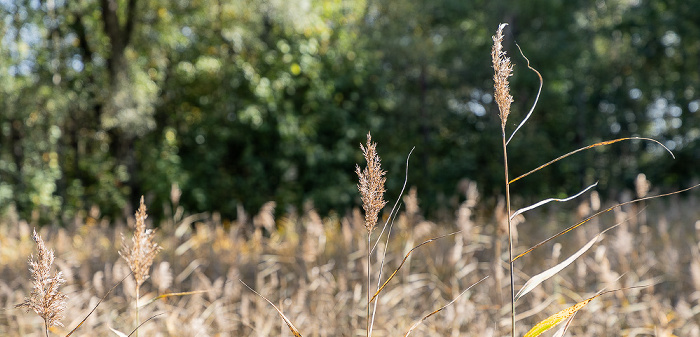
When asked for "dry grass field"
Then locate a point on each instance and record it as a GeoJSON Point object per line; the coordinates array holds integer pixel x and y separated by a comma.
{"type": "Point", "coordinates": [314, 270]}
{"type": "Point", "coordinates": [638, 273]}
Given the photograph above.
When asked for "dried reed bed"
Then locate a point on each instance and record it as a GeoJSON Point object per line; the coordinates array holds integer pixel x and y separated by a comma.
{"type": "Point", "coordinates": [314, 269]}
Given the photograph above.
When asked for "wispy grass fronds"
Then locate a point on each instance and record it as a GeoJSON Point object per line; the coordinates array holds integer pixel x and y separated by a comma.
{"type": "Point", "coordinates": [46, 299]}
{"type": "Point", "coordinates": [140, 254]}
{"type": "Point", "coordinates": [502, 70]}
{"type": "Point", "coordinates": [371, 184]}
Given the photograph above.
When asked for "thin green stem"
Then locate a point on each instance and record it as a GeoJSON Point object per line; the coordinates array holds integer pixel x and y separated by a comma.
{"type": "Point", "coordinates": [510, 237]}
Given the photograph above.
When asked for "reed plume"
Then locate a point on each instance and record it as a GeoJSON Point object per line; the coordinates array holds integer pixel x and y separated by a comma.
{"type": "Point", "coordinates": [371, 184]}
{"type": "Point", "coordinates": [372, 190]}
{"type": "Point", "coordinates": [502, 70]}
{"type": "Point", "coordinates": [45, 299]}
{"type": "Point", "coordinates": [139, 256]}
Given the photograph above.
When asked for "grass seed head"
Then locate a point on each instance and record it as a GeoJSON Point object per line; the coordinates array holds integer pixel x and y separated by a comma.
{"type": "Point", "coordinates": [502, 70]}
{"type": "Point", "coordinates": [140, 255]}
{"type": "Point", "coordinates": [371, 184]}
{"type": "Point", "coordinates": [46, 300]}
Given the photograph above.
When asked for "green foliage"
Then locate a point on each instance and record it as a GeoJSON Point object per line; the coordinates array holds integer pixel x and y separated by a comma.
{"type": "Point", "coordinates": [241, 102]}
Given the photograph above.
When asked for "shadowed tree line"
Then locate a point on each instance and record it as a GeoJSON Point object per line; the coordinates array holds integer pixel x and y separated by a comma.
{"type": "Point", "coordinates": [239, 102]}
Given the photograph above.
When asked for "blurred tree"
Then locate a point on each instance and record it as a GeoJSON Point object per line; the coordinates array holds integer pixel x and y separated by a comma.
{"type": "Point", "coordinates": [243, 101]}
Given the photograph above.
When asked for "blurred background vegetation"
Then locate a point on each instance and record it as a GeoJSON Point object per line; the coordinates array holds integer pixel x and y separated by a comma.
{"type": "Point", "coordinates": [239, 102]}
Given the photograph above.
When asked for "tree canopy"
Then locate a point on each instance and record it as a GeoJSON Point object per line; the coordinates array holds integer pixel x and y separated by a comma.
{"type": "Point", "coordinates": [240, 102]}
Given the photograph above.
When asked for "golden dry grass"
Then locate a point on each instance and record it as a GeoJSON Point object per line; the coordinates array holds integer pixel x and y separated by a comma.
{"type": "Point", "coordinates": [314, 269]}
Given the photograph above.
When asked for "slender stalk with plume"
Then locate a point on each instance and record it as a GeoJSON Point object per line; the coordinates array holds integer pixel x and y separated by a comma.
{"type": "Point", "coordinates": [372, 190]}
{"type": "Point", "coordinates": [46, 300]}
{"type": "Point", "coordinates": [502, 70]}
{"type": "Point", "coordinates": [139, 256]}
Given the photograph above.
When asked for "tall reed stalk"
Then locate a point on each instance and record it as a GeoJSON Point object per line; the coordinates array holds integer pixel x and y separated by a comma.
{"type": "Point", "coordinates": [371, 186]}
{"type": "Point", "coordinates": [139, 256]}
{"type": "Point", "coordinates": [502, 70]}
{"type": "Point", "coordinates": [46, 300]}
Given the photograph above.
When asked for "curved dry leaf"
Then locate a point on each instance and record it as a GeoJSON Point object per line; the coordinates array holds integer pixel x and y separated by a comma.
{"type": "Point", "coordinates": [537, 98]}
{"type": "Point", "coordinates": [118, 333]}
{"type": "Point", "coordinates": [404, 261]}
{"type": "Point", "coordinates": [291, 326]}
{"type": "Point", "coordinates": [557, 318]}
{"type": "Point", "coordinates": [562, 330]}
{"type": "Point", "coordinates": [534, 281]}
{"type": "Point", "coordinates": [96, 305]}
{"type": "Point", "coordinates": [565, 314]}
{"type": "Point", "coordinates": [569, 229]}
{"type": "Point", "coordinates": [608, 142]}
{"type": "Point", "coordinates": [144, 322]}
{"type": "Point", "coordinates": [418, 322]}
{"type": "Point", "coordinates": [528, 208]}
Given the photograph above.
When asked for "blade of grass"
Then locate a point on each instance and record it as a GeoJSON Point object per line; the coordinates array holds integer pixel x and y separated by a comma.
{"type": "Point", "coordinates": [525, 209]}
{"type": "Point", "coordinates": [394, 209]}
{"type": "Point", "coordinates": [562, 331]}
{"type": "Point", "coordinates": [96, 305]}
{"type": "Point", "coordinates": [565, 314]}
{"type": "Point", "coordinates": [539, 91]}
{"type": "Point", "coordinates": [291, 326]}
{"type": "Point", "coordinates": [534, 281]}
{"type": "Point", "coordinates": [141, 305]}
{"type": "Point", "coordinates": [569, 229]}
{"type": "Point", "coordinates": [557, 318]}
{"type": "Point", "coordinates": [404, 261]}
{"type": "Point", "coordinates": [590, 147]}
{"type": "Point", "coordinates": [418, 322]}
{"type": "Point", "coordinates": [144, 322]}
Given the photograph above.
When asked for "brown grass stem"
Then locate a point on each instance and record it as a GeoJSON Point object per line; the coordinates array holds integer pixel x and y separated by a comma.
{"type": "Point", "coordinates": [510, 237]}
{"type": "Point", "coordinates": [502, 70]}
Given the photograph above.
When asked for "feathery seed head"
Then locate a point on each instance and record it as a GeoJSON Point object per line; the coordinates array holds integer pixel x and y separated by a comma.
{"type": "Point", "coordinates": [502, 70]}
{"type": "Point", "coordinates": [46, 300]}
{"type": "Point", "coordinates": [371, 184]}
{"type": "Point", "coordinates": [140, 255]}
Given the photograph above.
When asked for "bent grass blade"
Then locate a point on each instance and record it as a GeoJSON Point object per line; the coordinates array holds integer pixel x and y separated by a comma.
{"type": "Point", "coordinates": [531, 207]}
{"type": "Point", "coordinates": [569, 229]}
{"type": "Point", "coordinates": [418, 322]}
{"type": "Point", "coordinates": [557, 318]}
{"type": "Point", "coordinates": [608, 142]}
{"type": "Point", "coordinates": [286, 320]}
{"type": "Point", "coordinates": [566, 314]}
{"type": "Point", "coordinates": [537, 98]}
{"type": "Point", "coordinates": [534, 281]}
{"type": "Point", "coordinates": [404, 261]}
{"type": "Point", "coordinates": [96, 305]}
